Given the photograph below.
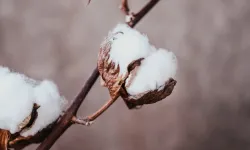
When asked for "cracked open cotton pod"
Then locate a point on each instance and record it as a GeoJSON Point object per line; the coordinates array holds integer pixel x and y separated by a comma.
{"type": "Point", "coordinates": [6, 138]}
{"type": "Point", "coordinates": [27, 106]}
{"type": "Point", "coordinates": [136, 70]}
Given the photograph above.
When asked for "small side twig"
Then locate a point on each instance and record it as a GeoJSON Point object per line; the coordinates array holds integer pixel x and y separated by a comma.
{"type": "Point", "coordinates": [124, 7]}
{"type": "Point", "coordinates": [81, 121]}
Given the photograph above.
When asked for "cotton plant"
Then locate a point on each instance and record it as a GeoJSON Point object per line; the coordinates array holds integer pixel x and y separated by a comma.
{"type": "Point", "coordinates": [132, 68]}
{"type": "Point", "coordinates": [26, 106]}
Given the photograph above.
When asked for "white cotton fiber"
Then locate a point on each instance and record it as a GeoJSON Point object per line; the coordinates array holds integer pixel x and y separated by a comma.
{"type": "Point", "coordinates": [47, 96]}
{"type": "Point", "coordinates": [15, 100]}
{"type": "Point", "coordinates": [4, 71]}
{"type": "Point", "coordinates": [154, 71]}
{"type": "Point", "coordinates": [156, 68]}
{"type": "Point", "coordinates": [18, 94]}
{"type": "Point", "coordinates": [128, 46]}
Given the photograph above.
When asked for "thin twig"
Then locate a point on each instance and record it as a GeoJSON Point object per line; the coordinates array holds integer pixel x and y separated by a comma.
{"type": "Point", "coordinates": [66, 121]}
{"type": "Point", "coordinates": [124, 7]}
{"type": "Point", "coordinates": [137, 17]}
{"type": "Point", "coordinates": [103, 108]}
{"type": "Point", "coordinates": [88, 2]}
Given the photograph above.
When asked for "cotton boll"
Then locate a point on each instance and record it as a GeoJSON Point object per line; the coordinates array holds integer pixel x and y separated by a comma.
{"type": "Point", "coordinates": [128, 45]}
{"type": "Point", "coordinates": [126, 55]}
{"type": "Point", "coordinates": [18, 93]}
{"type": "Point", "coordinates": [51, 105]}
{"type": "Point", "coordinates": [16, 100]}
{"type": "Point", "coordinates": [153, 73]}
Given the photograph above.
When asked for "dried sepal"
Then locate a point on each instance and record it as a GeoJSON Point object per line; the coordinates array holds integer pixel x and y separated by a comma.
{"type": "Point", "coordinates": [109, 72]}
{"type": "Point", "coordinates": [30, 120]}
{"type": "Point", "coordinates": [149, 97]}
{"type": "Point", "coordinates": [24, 123]}
{"type": "Point", "coordinates": [4, 138]}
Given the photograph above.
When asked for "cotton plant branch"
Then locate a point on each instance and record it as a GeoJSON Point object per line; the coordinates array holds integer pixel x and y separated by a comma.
{"type": "Point", "coordinates": [133, 18]}
{"type": "Point", "coordinates": [69, 116]}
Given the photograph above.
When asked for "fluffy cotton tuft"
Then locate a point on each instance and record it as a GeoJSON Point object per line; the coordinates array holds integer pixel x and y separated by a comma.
{"type": "Point", "coordinates": [47, 96]}
{"type": "Point", "coordinates": [4, 71]}
{"type": "Point", "coordinates": [154, 71]}
{"type": "Point", "coordinates": [129, 45]}
{"type": "Point", "coordinates": [18, 94]}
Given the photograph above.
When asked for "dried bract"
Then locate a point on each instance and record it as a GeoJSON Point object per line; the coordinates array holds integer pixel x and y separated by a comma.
{"type": "Point", "coordinates": [4, 138]}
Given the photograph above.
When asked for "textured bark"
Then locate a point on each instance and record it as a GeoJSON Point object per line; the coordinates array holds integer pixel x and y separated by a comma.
{"type": "Point", "coordinates": [30, 120]}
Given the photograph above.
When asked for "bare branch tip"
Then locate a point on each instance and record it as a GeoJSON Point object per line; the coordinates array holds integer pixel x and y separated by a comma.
{"type": "Point", "coordinates": [124, 7]}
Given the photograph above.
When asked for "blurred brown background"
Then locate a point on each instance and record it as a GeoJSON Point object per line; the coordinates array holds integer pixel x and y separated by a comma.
{"type": "Point", "coordinates": [210, 107]}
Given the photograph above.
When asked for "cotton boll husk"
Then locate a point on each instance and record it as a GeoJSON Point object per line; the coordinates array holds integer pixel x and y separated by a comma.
{"type": "Point", "coordinates": [51, 105]}
{"type": "Point", "coordinates": [4, 138]}
{"type": "Point", "coordinates": [153, 72]}
{"type": "Point", "coordinates": [16, 100]}
{"type": "Point", "coordinates": [128, 46]}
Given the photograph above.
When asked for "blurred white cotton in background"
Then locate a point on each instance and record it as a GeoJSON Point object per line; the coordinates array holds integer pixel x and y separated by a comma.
{"type": "Point", "coordinates": [18, 94]}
